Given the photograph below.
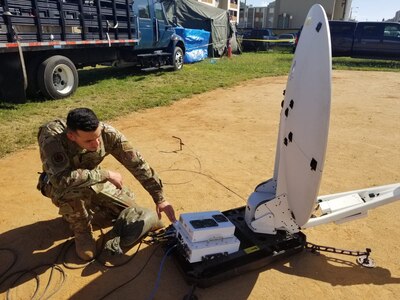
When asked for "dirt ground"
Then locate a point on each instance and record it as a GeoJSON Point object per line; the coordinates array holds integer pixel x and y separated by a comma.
{"type": "Point", "coordinates": [229, 138]}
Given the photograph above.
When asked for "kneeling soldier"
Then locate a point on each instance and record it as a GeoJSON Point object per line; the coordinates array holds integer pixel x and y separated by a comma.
{"type": "Point", "coordinates": [71, 152]}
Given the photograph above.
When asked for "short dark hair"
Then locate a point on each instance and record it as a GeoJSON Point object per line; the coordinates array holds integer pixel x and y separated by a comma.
{"type": "Point", "coordinates": [82, 119]}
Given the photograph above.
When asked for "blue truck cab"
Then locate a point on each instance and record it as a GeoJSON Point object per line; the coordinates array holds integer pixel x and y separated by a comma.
{"type": "Point", "coordinates": [154, 30]}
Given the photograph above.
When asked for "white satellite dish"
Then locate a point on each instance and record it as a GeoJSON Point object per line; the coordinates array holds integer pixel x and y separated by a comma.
{"type": "Point", "coordinates": [304, 123]}
{"type": "Point", "coordinates": [287, 200]}
{"type": "Point", "coordinates": [213, 246]}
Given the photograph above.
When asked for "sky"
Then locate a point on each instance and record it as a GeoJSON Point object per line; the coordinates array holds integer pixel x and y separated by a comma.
{"type": "Point", "coordinates": [362, 10]}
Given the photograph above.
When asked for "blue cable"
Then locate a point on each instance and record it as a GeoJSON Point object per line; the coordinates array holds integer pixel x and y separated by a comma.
{"type": "Point", "coordinates": [156, 285]}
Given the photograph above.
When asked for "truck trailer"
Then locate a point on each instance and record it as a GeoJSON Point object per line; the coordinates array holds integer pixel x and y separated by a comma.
{"type": "Point", "coordinates": [44, 42]}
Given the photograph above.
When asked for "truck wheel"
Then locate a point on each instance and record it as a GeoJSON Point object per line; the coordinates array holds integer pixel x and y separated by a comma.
{"type": "Point", "coordinates": [177, 59]}
{"type": "Point", "coordinates": [57, 77]}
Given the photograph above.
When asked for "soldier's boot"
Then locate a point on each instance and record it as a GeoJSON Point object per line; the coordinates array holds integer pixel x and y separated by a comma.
{"type": "Point", "coordinates": [79, 218]}
{"type": "Point", "coordinates": [85, 245]}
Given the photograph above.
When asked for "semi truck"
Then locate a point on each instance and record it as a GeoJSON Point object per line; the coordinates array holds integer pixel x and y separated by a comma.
{"type": "Point", "coordinates": [365, 39]}
{"type": "Point", "coordinates": [44, 42]}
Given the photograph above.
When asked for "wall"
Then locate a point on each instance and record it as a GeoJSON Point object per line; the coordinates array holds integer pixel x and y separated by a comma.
{"type": "Point", "coordinates": [291, 14]}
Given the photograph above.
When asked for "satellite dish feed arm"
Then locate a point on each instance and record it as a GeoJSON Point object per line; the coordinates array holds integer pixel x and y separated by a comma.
{"type": "Point", "coordinates": [347, 206]}
{"type": "Point", "coordinates": [266, 213]}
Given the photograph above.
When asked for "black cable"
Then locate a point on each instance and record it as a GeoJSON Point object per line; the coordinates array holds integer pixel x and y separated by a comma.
{"type": "Point", "coordinates": [37, 279]}
{"type": "Point", "coordinates": [96, 258]}
{"type": "Point", "coordinates": [20, 276]}
{"type": "Point", "coordinates": [63, 276]}
{"type": "Point", "coordinates": [36, 275]}
{"type": "Point", "coordinates": [134, 277]}
{"type": "Point", "coordinates": [67, 246]}
{"type": "Point", "coordinates": [208, 176]}
{"type": "Point", "coordinates": [184, 182]}
{"type": "Point", "coordinates": [199, 172]}
{"type": "Point", "coordinates": [71, 242]}
{"type": "Point", "coordinates": [157, 283]}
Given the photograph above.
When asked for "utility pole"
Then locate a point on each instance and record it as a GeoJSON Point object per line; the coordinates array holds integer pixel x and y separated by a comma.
{"type": "Point", "coordinates": [245, 14]}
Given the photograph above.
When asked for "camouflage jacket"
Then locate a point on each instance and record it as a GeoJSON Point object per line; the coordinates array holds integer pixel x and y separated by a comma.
{"type": "Point", "coordinates": [70, 167]}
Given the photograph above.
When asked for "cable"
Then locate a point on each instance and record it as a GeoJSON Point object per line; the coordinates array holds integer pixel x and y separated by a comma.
{"type": "Point", "coordinates": [157, 238]}
{"type": "Point", "coordinates": [66, 245]}
{"type": "Point", "coordinates": [180, 153]}
{"type": "Point", "coordinates": [199, 171]}
{"type": "Point", "coordinates": [64, 252]}
{"type": "Point", "coordinates": [210, 177]}
{"type": "Point", "coordinates": [97, 258]}
{"type": "Point", "coordinates": [157, 283]}
{"type": "Point", "coordinates": [133, 278]}
{"type": "Point", "coordinates": [124, 263]}
{"type": "Point", "coordinates": [23, 273]}
{"type": "Point", "coordinates": [63, 276]}
{"type": "Point", "coordinates": [37, 279]}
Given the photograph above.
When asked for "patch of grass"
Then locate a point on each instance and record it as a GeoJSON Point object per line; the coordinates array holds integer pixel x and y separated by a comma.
{"type": "Point", "coordinates": [348, 63]}
{"type": "Point", "coordinates": [114, 92]}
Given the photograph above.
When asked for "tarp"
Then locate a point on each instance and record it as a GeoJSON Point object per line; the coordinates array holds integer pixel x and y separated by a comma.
{"type": "Point", "coordinates": [195, 15]}
{"type": "Point", "coordinates": [196, 42]}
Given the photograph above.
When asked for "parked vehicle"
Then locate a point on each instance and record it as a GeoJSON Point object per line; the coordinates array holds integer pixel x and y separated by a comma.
{"type": "Point", "coordinates": [296, 40]}
{"type": "Point", "coordinates": [286, 41]}
{"type": "Point", "coordinates": [257, 39]}
{"type": "Point", "coordinates": [365, 39]}
{"type": "Point", "coordinates": [44, 42]}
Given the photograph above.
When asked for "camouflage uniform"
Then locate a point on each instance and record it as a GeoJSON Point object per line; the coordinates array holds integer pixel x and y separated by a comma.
{"type": "Point", "coordinates": [75, 182]}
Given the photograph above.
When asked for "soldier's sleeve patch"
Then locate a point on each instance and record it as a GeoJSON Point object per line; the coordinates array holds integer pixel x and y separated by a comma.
{"type": "Point", "coordinates": [54, 156]}
{"type": "Point", "coordinates": [59, 158]}
{"type": "Point", "coordinates": [130, 155]}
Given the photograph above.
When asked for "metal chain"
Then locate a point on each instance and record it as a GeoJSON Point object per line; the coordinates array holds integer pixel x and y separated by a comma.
{"type": "Point", "coordinates": [315, 248]}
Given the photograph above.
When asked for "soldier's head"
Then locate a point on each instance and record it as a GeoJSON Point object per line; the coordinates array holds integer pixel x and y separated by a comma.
{"type": "Point", "coordinates": [83, 128]}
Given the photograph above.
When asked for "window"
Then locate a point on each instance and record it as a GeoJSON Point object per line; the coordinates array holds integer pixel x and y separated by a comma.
{"type": "Point", "coordinates": [143, 8]}
{"type": "Point", "coordinates": [342, 29]}
{"type": "Point", "coordinates": [371, 31]}
{"type": "Point", "coordinates": [392, 31]}
{"type": "Point", "coordinates": [159, 11]}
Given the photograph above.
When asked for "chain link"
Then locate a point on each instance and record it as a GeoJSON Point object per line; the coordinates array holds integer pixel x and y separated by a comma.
{"type": "Point", "coordinates": [315, 248]}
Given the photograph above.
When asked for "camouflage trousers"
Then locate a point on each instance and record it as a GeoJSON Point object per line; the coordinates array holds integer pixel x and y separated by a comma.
{"type": "Point", "coordinates": [79, 205]}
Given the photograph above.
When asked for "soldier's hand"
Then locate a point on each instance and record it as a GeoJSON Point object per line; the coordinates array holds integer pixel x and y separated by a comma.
{"type": "Point", "coordinates": [115, 178]}
{"type": "Point", "coordinates": [167, 208]}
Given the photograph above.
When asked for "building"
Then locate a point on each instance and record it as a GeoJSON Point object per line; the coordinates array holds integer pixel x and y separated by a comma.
{"type": "Point", "coordinates": [289, 14]}
{"type": "Point", "coordinates": [256, 17]}
{"type": "Point", "coordinates": [396, 17]}
{"type": "Point", "coordinates": [230, 5]}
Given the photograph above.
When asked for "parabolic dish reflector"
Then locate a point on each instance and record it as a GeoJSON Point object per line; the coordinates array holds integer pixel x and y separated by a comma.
{"type": "Point", "coordinates": [304, 122]}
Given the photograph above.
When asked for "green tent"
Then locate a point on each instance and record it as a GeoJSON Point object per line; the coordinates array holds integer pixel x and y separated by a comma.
{"type": "Point", "coordinates": [195, 15]}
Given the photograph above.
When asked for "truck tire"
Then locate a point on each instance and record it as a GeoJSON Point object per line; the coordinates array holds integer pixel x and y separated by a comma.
{"type": "Point", "coordinates": [177, 58]}
{"type": "Point", "coordinates": [57, 77]}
